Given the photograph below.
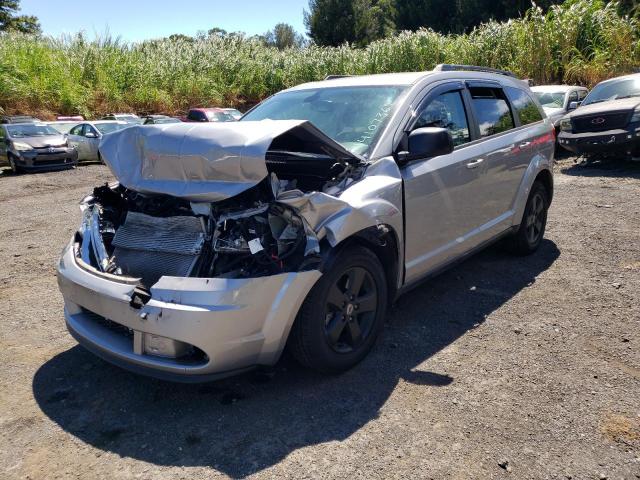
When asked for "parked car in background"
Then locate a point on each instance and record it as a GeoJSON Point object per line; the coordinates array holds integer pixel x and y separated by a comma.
{"type": "Point", "coordinates": [300, 224]}
{"type": "Point", "coordinates": [608, 121]}
{"type": "Point", "coordinates": [236, 114]}
{"type": "Point", "coordinates": [557, 100]}
{"type": "Point", "coordinates": [35, 146]}
{"type": "Point", "coordinates": [18, 119]}
{"type": "Point", "coordinates": [159, 119]}
{"type": "Point", "coordinates": [70, 118]}
{"type": "Point", "coordinates": [130, 118]}
{"type": "Point", "coordinates": [86, 136]}
{"type": "Point", "coordinates": [63, 126]}
{"type": "Point", "coordinates": [208, 115]}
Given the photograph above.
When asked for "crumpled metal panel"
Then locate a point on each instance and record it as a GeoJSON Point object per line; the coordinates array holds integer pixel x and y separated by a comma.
{"type": "Point", "coordinates": [205, 162]}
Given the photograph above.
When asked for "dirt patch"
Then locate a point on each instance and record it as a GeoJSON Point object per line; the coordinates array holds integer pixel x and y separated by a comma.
{"type": "Point", "coordinates": [502, 367]}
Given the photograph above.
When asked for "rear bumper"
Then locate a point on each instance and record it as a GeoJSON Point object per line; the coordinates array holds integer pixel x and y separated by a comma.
{"type": "Point", "coordinates": [59, 158]}
{"type": "Point", "coordinates": [626, 139]}
{"type": "Point", "coordinates": [235, 323]}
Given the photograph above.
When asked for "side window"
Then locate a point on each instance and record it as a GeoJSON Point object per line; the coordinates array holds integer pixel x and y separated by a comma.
{"type": "Point", "coordinates": [492, 110]}
{"type": "Point", "coordinates": [446, 111]}
{"type": "Point", "coordinates": [77, 130]}
{"type": "Point", "coordinates": [525, 106]}
{"type": "Point", "coordinates": [197, 116]}
{"type": "Point", "coordinates": [90, 129]}
{"type": "Point", "coordinates": [582, 94]}
{"type": "Point", "coordinates": [573, 96]}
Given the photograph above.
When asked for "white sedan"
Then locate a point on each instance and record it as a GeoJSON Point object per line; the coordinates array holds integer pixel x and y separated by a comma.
{"type": "Point", "coordinates": [86, 137]}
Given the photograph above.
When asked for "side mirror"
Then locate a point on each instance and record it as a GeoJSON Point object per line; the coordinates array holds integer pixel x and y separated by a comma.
{"type": "Point", "coordinates": [91, 135]}
{"type": "Point", "coordinates": [573, 105]}
{"type": "Point", "coordinates": [427, 142]}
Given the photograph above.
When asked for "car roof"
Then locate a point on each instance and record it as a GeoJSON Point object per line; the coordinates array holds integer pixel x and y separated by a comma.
{"type": "Point", "coordinates": [207, 109]}
{"type": "Point", "coordinates": [556, 88]}
{"type": "Point", "coordinates": [623, 77]}
{"type": "Point", "coordinates": [380, 79]}
{"type": "Point", "coordinates": [96, 122]}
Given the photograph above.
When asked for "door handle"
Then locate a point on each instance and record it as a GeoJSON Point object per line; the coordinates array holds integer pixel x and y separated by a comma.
{"type": "Point", "coordinates": [475, 163]}
{"type": "Point", "coordinates": [525, 144]}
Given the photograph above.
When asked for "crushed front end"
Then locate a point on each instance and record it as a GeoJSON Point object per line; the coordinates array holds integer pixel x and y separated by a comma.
{"type": "Point", "coordinates": [196, 285]}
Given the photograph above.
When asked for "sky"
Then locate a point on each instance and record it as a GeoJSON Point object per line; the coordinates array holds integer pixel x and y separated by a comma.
{"type": "Point", "coordinates": [136, 20]}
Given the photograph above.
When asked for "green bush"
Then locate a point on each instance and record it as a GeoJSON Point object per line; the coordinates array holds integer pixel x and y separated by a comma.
{"type": "Point", "coordinates": [580, 41]}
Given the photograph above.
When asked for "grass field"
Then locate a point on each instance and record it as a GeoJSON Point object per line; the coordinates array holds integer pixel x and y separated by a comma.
{"type": "Point", "coordinates": [581, 41]}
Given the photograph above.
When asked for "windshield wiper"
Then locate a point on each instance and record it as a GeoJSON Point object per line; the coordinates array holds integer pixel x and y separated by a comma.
{"type": "Point", "coordinates": [629, 96]}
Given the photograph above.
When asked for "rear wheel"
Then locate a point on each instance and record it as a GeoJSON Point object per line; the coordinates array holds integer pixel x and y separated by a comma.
{"type": "Point", "coordinates": [534, 221]}
{"type": "Point", "coordinates": [343, 314]}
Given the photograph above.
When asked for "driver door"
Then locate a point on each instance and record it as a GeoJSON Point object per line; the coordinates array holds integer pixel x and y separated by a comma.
{"type": "Point", "coordinates": [441, 193]}
{"type": "Point", "coordinates": [92, 140]}
{"type": "Point", "coordinates": [76, 139]}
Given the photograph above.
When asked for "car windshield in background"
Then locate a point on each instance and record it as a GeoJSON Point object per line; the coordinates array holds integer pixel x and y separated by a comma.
{"type": "Point", "coordinates": [64, 127]}
{"type": "Point", "coordinates": [352, 116]}
{"type": "Point", "coordinates": [165, 120]}
{"type": "Point", "coordinates": [613, 90]}
{"type": "Point", "coordinates": [551, 99]}
{"type": "Point", "coordinates": [109, 127]}
{"type": "Point", "coordinates": [32, 130]}
{"type": "Point", "coordinates": [220, 117]}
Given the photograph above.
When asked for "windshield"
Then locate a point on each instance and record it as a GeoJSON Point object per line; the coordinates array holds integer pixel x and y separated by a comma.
{"type": "Point", "coordinates": [109, 127]}
{"type": "Point", "coordinates": [64, 127]}
{"type": "Point", "coordinates": [352, 116]}
{"type": "Point", "coordinates": [128, 118]}
{"type": "Point", "coordinates": [220, 117]}
{"type": "Point", "coordinates": [551, 99]}
{"type": "Point", "coordinates": [32, 130]}
{"type": "Point", "coordinates": [165, 120]}
{"type": "Point", "coordinates": [613, 91]}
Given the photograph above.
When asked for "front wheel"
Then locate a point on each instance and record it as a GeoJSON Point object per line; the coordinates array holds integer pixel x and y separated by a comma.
{"type": "Point", "coordinates": [534, 222]}
{"type": "Point", "coordinates": [343, 314]}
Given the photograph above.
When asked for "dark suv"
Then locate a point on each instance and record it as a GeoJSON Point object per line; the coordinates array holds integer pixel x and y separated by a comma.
{"type": "Point", "coordinates": [608, 121]}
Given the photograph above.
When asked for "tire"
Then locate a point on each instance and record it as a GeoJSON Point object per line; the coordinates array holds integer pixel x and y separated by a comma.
{"type": "Point", "coordinates": [322, 337]}
{"type": "Point", "coordinates": [12, 163]}
{"type": "Point", "coordinates": [534, 222]}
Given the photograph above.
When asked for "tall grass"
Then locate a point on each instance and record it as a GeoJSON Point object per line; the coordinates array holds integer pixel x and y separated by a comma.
{"type": "Point", "coordinates": [581, 41]}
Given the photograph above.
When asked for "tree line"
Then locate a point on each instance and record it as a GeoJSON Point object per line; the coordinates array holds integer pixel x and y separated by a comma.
{"type": "Point", "coordinates": [360, 22]}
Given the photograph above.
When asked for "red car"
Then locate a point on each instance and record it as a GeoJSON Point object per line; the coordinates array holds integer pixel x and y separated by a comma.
{"type": "Point", "coordinates": [209, 115]}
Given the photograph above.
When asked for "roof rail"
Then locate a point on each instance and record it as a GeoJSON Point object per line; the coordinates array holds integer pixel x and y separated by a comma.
{"type": "Point", "coordinates": [445, 67]}
{"type": "Point", "coordinates": [334, 77]}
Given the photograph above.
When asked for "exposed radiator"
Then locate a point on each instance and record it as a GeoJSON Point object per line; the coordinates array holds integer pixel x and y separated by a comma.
{"type": "Point", "coordinates": [151, 247]}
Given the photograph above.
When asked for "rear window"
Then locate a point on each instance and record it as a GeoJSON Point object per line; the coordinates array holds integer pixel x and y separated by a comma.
{"type": "Point", "coordinates": [525, 106]}
{"type": "Point", "coordinates": [492, 110]}
{"type": "Point", "coordinates": [197, 115]}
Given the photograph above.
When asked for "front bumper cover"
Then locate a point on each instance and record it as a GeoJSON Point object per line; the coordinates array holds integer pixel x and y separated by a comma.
{"type": "Point", "coordinates": [626, 139]}
{"type": "Point", "coordinates": [39, 160]}
{"type": "Point", "coordinates": [237, 323]}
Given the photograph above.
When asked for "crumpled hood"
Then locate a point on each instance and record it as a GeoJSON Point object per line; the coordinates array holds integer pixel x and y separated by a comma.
{"type": "Point", "coordinates": [205, 162]}
{"type": "Point", "coordinates": [610, 106]}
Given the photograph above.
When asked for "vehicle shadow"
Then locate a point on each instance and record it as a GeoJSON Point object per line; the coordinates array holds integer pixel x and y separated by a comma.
{"type": "Point", "coordinates": [243, 425]}
{"type": "Point", "coordinates": [610, 167]}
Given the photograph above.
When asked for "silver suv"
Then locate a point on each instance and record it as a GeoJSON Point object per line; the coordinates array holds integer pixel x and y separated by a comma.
{"type": "Point", "coordinates": [297, 226]}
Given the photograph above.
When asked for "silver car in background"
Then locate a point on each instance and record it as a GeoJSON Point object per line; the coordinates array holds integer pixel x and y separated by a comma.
{"type": "Point", "coordinates": [558, 100]}
{"type": "Point", "coordinates": [297, 226]}
{"type": "Point", "coordinates": [86, 136]}
{"type": "Point", "coordinates": [35, 146]}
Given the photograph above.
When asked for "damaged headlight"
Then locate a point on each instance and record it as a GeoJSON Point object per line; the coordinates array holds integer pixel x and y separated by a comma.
{"type": "Point", "coordinates": [565, 125]}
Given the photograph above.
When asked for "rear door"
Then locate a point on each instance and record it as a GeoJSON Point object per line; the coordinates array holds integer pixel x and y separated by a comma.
{"type": "Point", "coordinates": [507, 147]}
{"type": "Point", "coordinates": [441, 193]}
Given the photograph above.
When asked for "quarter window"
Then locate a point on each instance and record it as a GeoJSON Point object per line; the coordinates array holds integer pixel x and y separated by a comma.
{"type": "Point", "coordinates": [492, 110]}
{"type": "Point", "coordinates": [446, 111]}
{"type": "Point", "coordinates": [523, 104]}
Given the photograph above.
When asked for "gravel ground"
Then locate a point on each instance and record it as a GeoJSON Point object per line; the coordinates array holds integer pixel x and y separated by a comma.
{"type": "Point", "coordinates": [502, 367]}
